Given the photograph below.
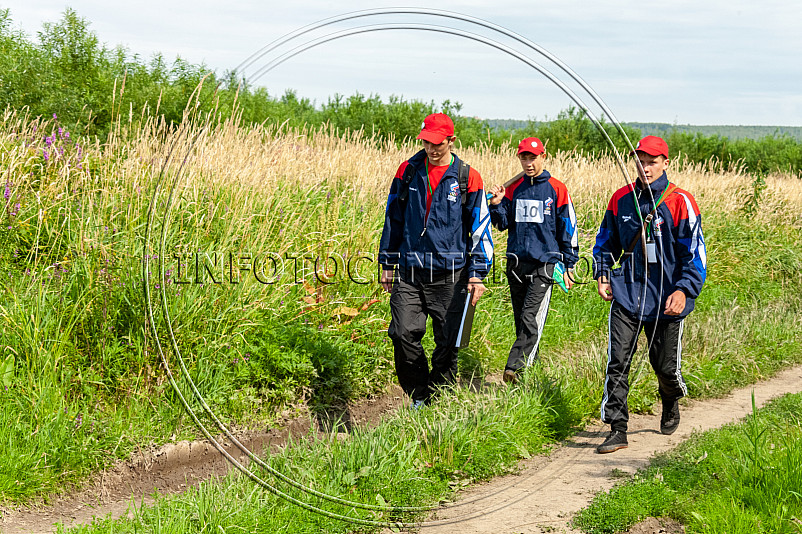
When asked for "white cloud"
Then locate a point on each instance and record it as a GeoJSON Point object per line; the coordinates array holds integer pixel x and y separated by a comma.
{"type": "Point", "coordinates": [697, 62]}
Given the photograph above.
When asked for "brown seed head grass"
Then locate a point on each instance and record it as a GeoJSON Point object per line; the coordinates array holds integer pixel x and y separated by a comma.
{"type": "Point", "coordinates": [308, 188]}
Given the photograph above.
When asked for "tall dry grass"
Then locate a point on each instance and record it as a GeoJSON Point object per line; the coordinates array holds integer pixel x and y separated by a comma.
{"type": "Point", "coordinates": [264, 160]}
{"type": "Point", "coordinates": [285, 190]}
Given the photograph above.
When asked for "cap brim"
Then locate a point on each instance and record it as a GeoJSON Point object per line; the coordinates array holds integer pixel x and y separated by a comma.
{"type": "Point", "coordinates": [651, 153]}
{"type": "Point", "coordinates": [525, 150]}
{"type": "Point", "coordinates": [432, 137]}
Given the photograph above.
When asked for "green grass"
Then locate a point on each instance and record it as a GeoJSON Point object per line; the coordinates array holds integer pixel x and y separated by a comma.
{"type": "Point", "coordinates": [82, 380]}
{"type": "Point", "coordinates": [414, 459]}
{"type": "Point", "coordinates": [742, 478]}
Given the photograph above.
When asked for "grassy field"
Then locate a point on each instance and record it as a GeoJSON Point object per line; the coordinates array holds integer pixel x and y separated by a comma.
{"type": "Point", "coordinates": [83, 381]}
{"type": "Point", "coordinates": [743, 478]}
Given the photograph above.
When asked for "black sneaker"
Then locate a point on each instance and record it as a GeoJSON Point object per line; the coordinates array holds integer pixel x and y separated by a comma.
{"type": "Point", "coordinates": [670, 419]}
{"type": "Point", "coordinates": [510, 377]}
{"type": "Point", "coordinates": [616, 440]}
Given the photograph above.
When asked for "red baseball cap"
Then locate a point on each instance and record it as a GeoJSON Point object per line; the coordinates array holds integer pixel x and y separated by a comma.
{"type": "Point", "coordinates": [652, 145]}
{"type": "Point", "coordinates": [436, 128]}
{"type": "Point", "coordinates": [531, 144]}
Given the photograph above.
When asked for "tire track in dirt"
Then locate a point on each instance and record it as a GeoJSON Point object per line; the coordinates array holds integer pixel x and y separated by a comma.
{"type": "Point", "coordinates": [547, 491]}
{"type": "Point", "coordinates": [541, 498]}
{"type": "Point", "coordinates": [176, 467]}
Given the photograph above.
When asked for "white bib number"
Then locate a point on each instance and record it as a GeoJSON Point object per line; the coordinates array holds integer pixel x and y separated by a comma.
{"type": "Point", "coordinates": [529, 211]}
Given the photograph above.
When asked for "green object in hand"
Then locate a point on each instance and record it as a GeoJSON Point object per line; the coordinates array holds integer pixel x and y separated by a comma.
{"type": "Point", "coordinates": [559, 275]}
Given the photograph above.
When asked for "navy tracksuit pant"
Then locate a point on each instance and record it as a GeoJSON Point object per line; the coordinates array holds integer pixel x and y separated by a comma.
{"type": "Point", "coordinates": [440, 297]}
{"type": "Point", "coordinates": [530, 291]}
{"type": "Point", "coordinates": [665, 355]}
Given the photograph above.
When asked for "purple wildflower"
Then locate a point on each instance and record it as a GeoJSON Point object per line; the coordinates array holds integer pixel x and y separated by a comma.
{"type": "Point", "coordinates": [7, 192]}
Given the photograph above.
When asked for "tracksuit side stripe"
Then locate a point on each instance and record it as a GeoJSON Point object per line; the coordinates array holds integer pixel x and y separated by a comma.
{"type": "Point", "coordinates": [682, 385]}
{"type": "Point", "coordinates": [542, 313]}
{"type": "Point", "coordinates": [609, 359]}
{"type": "Point", "coordinates": [697, 245]}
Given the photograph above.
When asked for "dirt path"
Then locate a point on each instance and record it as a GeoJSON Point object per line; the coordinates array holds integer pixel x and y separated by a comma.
{"type": "Point", "coordinates": [541, 498]}
{"type": "Point", "coordinates": [173, 468]}
{"type": "Point", "coordinates": [548, 491]}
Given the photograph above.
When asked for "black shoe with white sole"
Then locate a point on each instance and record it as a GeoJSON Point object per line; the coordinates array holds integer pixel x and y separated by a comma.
{"type": "Point", "coordinates": [616, 440]}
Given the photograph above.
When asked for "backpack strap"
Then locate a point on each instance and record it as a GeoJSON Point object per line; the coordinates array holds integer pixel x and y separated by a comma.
{"type": "Point", "coordinates": [462, 177]}
{"type": "Point", "coordinates": [406, 179]}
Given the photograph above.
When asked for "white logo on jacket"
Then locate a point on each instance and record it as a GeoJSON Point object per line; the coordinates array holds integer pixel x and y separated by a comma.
{"type": "Point", "coordinates": [453, 192]}
{"type": "Point", "coordinates": [549, 202]}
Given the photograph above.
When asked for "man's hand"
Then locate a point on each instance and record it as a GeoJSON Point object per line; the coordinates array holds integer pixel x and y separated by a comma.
{"type": "Point", "coordinates": [568, 278]}
{"type": "Point", "coordinates": [498, 194]}
{"type": "Point", "coordinates": [387, 279]}
{"type": "Point", "coordinates": [675, 304]}
{"type": "Point", "coordinates": [604, 289]}
{"type": "Point", "coordinates": [476, 286]}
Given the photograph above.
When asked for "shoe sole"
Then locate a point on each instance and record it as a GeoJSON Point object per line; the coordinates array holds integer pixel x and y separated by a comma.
{"type": "Point", "coordinates": [668, 431]}
{"type": "Point", "coordinates": [612, 448]}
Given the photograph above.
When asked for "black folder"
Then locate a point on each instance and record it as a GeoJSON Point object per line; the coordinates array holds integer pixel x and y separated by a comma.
{"type": "Point", "coordinates": [465, 325]}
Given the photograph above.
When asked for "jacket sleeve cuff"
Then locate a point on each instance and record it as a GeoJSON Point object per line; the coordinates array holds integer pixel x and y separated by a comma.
{"type": "Point", "coordinates": [686, 288]}
{"type": "Point", "coordinates": [481, 275]}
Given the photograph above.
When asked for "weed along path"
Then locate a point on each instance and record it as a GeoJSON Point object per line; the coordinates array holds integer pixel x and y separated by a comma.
{"type": "Point", "coordinates": [548, 491]}
{"type": "Point", "coordinates": [542, 497]}
{"type": "Point", "coordinates": [172, 469]}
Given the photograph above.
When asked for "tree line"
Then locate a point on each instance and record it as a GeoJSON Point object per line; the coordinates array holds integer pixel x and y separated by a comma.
{"type": "Point", "coordinates": [66, 71]}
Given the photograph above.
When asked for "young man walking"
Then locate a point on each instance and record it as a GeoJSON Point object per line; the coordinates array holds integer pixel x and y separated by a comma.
{"type": "Point", "coordinates": [537, 212]}
{"type": "Point", "coordinates": [650, 262]}
{"type": "Point", "coordinates": [435, 247]}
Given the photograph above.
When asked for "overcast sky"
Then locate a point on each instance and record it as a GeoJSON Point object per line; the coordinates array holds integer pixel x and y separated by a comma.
{"type": "Point", "coordinates": [675, 61]}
